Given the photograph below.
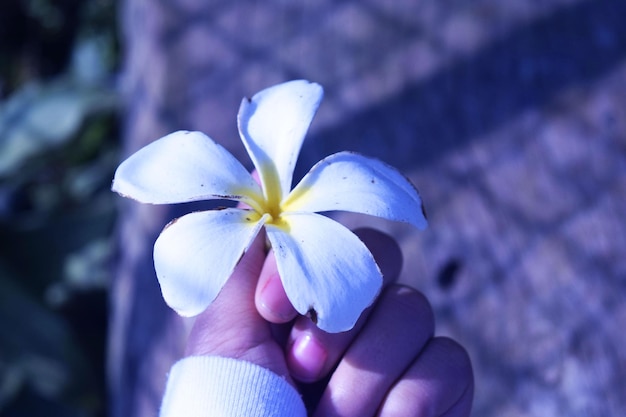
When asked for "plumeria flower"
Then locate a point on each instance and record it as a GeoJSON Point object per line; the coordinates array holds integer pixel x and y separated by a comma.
{"type": "Point", "coordinates": [326, 271]}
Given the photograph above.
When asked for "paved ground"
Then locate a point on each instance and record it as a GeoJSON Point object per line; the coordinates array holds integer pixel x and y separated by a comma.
{"type": "Point", "coordinates": [510, 116]}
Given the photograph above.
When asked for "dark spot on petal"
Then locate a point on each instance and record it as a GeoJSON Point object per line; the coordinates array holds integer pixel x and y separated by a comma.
{"type": "Point", "coordinates": [424, 211]}
{"type": "Point", "coordinates": [448, 274]}
{"type": "Point", "coordinates": [312, 314]}
{"type": "Point", "coordinates": [228, 197]}
{"type": "Point", "coordinates": [373, 181]}
{"type": "Point", "coordinates": [249, 99]}
{"type": "Point", "coordinates": [171, 223]}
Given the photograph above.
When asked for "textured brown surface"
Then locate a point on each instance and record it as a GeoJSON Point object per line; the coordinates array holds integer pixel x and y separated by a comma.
{"type": "Point", "coordinates": [510, 117]}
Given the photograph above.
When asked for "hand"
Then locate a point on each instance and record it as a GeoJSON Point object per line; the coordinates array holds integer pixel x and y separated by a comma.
{"type": "Point", "coordinates": [389, 364]}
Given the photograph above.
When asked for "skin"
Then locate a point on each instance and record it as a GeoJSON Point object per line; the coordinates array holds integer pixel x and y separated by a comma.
{"type": "Point", "coordinates": [389, 365]}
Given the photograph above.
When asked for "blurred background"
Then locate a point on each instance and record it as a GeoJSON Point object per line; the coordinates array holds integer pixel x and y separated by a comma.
{"type": "Point", "coordinates": [508, 115]}
{"type": "Point", "coordinates": [59, 145]}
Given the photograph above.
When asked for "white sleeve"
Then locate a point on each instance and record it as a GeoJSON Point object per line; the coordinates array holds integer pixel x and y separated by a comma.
{"type": "Point", "coordinates": [203, 386]}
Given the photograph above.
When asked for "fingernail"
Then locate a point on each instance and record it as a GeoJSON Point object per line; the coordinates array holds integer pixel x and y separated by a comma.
{"type": "Point", "coordinates": [307, 358]}
{"type": "Point", "coordinates": [275, 301]}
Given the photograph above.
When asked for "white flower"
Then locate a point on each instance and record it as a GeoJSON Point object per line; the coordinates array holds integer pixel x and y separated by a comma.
{"type": "Point", "coordinates": [325, 269]}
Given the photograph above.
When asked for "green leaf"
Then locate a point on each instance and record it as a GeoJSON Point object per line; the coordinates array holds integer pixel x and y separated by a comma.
{"type": "Point", "coordinates": [38, 350]}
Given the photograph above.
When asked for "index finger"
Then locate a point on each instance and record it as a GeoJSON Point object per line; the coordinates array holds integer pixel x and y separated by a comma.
{"type": "Point", "coordinates": [311, 352]}
{"type": "Point", "coordinates": [272, 302]}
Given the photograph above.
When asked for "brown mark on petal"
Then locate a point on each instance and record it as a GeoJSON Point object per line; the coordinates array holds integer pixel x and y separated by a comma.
{"type": "Point", "coordinates": [171, 223]}
{"type": "Point", "coordinates": [228, 197]}
{"type": "Point", "coordinates": [312, 314]}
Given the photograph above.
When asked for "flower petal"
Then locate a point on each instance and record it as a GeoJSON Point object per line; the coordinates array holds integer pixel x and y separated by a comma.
{"type": "Point", "coordinates": [184, 166]}
{"type": "Point", "coordinates": [272, 126]}
{"type": "Point", "coordinates": [195, 255]}
{"type": "Point", "coordinates": [351, 182]}
{"type": "Point", "coordinates": [325, 269]}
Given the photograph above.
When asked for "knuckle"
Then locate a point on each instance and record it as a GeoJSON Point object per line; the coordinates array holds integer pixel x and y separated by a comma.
{"type": "Point", "coordinates": [458, 360]}
{"type": "Point", "coordinates": [411, 304]}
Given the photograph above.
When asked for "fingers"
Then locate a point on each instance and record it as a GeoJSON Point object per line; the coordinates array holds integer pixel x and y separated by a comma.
{"type": "Point", "coordinates": [270, 298]}
{"type": "Point", "coordinates": [232, 327]}
{"type": "Point", "coordinates": [312, 353]}
{"type": "Point", "coordinates": [395, 334]}
{"type": "Point", "coordinates": [439, 383]}
{"type": "Point", "coordinates": [386, 252]}
{"type": "Point", "coordinates": [232, 305]}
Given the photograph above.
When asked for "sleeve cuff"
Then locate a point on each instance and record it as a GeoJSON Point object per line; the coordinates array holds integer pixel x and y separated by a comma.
{"type": "Point", "coordinates": [200, 386]}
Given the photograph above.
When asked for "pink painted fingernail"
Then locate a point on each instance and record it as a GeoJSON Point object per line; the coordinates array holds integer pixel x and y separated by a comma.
{"type": "Point", "coordinates": [307, 358]}
{"type": "Point", "coordinates": [275, 301]}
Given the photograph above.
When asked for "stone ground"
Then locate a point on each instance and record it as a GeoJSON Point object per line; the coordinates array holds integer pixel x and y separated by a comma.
{"type": "Point", "coordinates": [509, 116]}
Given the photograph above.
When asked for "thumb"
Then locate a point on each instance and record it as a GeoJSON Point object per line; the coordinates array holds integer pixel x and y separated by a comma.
{"type": "Point", "coordinates": [230, 311]}
{"type": "Point", "coordinates": [231, 326]}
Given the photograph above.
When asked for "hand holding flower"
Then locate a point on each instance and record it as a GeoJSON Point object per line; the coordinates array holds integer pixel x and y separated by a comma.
{"type": "Point", "coordinates": [325, 270]}
{"type": "Point", "coordinates": [388, 362]}
{"type": "Point", "coordinates": [214, 264]}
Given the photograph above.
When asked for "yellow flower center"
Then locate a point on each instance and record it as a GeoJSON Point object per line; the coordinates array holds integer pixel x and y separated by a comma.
{"type": "Point", "coordinates": [269, 203]}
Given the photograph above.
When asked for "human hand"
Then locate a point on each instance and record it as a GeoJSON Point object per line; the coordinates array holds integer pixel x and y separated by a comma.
{"type": "Point", "coordinates": [389, 364]}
